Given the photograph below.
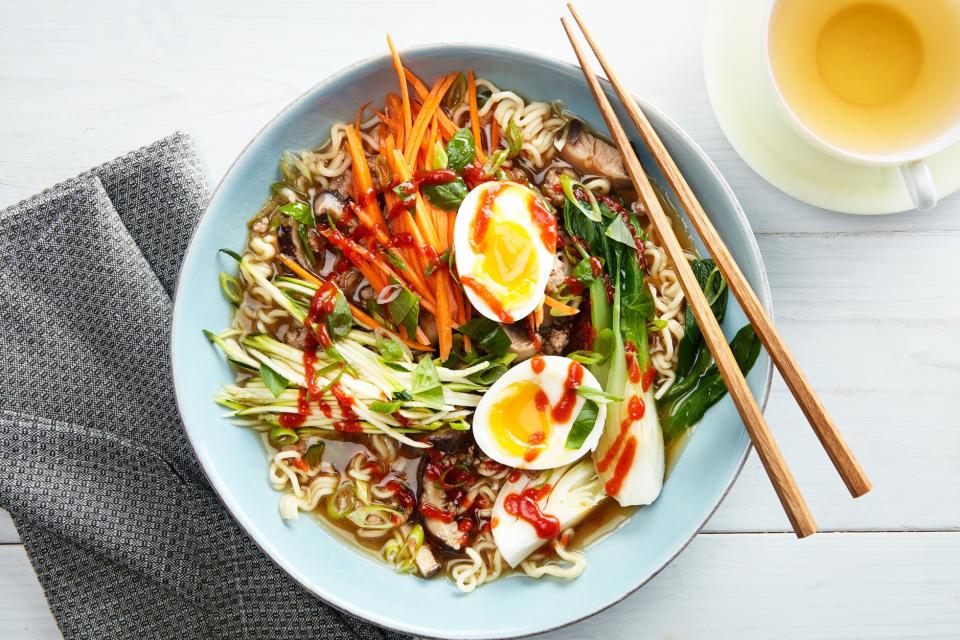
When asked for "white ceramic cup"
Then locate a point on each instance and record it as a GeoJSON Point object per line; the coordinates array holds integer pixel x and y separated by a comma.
{"type": "Point", "coordinates": [914, 170]}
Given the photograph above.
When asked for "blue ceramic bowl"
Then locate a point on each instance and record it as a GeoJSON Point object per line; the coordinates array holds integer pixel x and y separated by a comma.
{"type": "Point", "coordinates": [234, 459]}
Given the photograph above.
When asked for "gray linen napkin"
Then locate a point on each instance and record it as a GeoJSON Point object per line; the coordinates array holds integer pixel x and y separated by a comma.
{"type": "Point", "coordinates": [127, 538]}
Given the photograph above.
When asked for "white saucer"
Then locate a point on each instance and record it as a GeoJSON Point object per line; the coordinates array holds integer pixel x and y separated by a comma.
{"type": "Point", "coordinates": [745, 105]}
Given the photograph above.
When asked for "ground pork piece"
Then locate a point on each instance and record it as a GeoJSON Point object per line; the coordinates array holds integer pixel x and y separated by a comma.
{"type": "Point", "coordinates": [294, 336]}
{"type": "Point", "coordinates": [551, 187]}
{"type": "Point", "coordinates": [261, 226]}
{"type": "Point", "coordinates": [559, 271]}
{"type": "Point", "coordinates": [342, 185]}
{"type": "Point", "coordinates": [556, 340]}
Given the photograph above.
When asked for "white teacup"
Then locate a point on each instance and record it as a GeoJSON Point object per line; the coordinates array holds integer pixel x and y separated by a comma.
{"type": "Point", "coordinates": [873, 82]}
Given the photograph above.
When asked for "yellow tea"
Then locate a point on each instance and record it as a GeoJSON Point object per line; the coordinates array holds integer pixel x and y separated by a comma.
{"type": "Point", "coordinates": [872, 78]}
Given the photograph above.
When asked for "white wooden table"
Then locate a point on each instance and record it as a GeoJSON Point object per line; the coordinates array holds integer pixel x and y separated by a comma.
{"type": "Point", "coordinates": [870, 305]}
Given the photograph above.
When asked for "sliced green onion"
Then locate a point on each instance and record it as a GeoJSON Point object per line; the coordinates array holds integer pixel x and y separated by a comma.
{"type": "Point", "coordinates": [314, 454]}
{"type": "Point", "coordinates": [592, 211]}
{"type": "Point", "coordinates": [282, 437]}
{"type": "Point", "coordinates": [231, 288]}
{"type": "Point", "coordinates": [341, 501]}
{"type": "Point", "coordinates": [389, 516]}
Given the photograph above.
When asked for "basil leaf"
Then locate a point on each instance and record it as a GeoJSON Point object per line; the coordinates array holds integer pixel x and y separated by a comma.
{"type": "Point", "coordinates": [446, 196]}
{"type": "Point", "coordinates": [385, 407]}
{"type": "Point", "coordinates": [340, 320]}
{"type": "Point", "coordinates": [273, 380]}
{"type": "Point", "coordinates": [426, 384]}
{"type": "Point", "coordinates": [299, 211]}
{"type": "Point", "coordinates": [487, 335]}
{"type": "Point", "coordinates": [619, 231]}
{"type": "Point", "coordinates": [596, 395]}
{"type": "Point", "coordinates": [389, 349]}
{"type": "Point", "coordinates": [404, 310]}
{"type": "Point", "coordinates": [491, 374]}
{"type": "Point", "coordinates": [583, 272]}
{"type": "Point", "coordinates": [514, 139]}
{"type": "Point", "coordinates": [460, 150]}
{"type": "Point", "coordinates": [583, 424]}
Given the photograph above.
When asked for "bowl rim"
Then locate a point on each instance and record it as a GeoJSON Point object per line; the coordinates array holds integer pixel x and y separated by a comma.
{"type": "Point", "coordinates": [223, 492]}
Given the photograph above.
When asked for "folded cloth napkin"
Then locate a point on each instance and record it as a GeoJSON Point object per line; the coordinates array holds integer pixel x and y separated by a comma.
{"type": "Point", "coordinates": [126, 536]}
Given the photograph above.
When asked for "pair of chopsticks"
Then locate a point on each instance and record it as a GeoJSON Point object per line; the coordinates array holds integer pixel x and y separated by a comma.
{"type": "Point", "coordinates": [783, 482]}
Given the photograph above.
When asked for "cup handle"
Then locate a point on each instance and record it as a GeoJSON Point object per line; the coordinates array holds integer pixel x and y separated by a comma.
{"type": "Point", "coordinates": [920, 184]}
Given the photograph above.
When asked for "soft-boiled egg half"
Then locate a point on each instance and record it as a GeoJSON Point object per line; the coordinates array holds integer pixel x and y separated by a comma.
{"type": "Point", "coordinates": [525, 419]}
{"type": "Point", "coordinates": [504, 240]}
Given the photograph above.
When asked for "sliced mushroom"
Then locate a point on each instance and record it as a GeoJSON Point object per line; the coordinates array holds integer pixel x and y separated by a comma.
{"type": "Point", "coordinates": [521, 342]}
{"type": "Point", "coordinates": [329, 201]}
{"type": "Point", "coordinates": [450, 440]}
{"type": "Point", "coordinates": [590, 155]}
{"type": "Point", "coordinates": [438, 503]}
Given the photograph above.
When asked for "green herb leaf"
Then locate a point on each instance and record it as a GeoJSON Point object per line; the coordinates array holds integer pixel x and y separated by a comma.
{"type": "Point", "coordinates": [299, 211]}
{"type": "Point", "coordinates": [446, 196]}
{"type": "Point", "coordinates": [583, 272]}
{"type": "Point", "coordinates": [514, 139]}
{"type": "Point", "coordinates": [389, 349]}
{"type": "Point", "coordinates": [273, 380]}
{"type": "Point", "coordinates": [385, 407]}
{"type": "Point", "coordinates": [340, 320]}
{"type": "Point", "coordinates": [596, 395]}
{"type": "Point", "coordinates": [619, 231]}
{"type": "Point", "coordinates": [487, 335]}
{"type": "Point", "coordinates": [426, 386]}
{"type": "Point", "coordinates": [460, 150]}
{"type": "Point", "coordinates": [404, 310]}
{"type": "Point", "coordinates": [583, 424]}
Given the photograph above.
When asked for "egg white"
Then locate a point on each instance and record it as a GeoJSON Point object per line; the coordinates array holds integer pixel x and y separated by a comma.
{"type": "Point", "coordinates": [551, 380]}
{"type": "Point", "coordinates": [513, 205]}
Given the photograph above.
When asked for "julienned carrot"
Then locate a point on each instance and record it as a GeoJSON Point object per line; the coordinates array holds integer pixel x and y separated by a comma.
{"type": "Point", "coordinates": [474, 115]}
{"type": "Point", "coordinates": [494, 135]}
{"type": "Point", "coordinates": [560, 308]}
{"type": "Point", "coordinates": [358, 315]}
{"type": "Point", "coordinates": [443, 317]}
{"type": "Point", "coordinates": [430, 105]}
{"type": "Point", "coordinates": [447, 126]}
{"type": "Point", "coordinates": [404, 93]}
{"type": "Point", "coordinates": [369, 210]}
{"type": "Point", "coordinates": [431, 143]}
{"type": "Point", "coordinates": [427, 229]}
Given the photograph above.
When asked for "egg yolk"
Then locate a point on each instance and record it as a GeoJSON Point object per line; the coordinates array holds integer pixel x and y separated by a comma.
{"type": "Point", "coordinates": [508, 261]}
{"type": "Point", "coordinates": [520, 421]}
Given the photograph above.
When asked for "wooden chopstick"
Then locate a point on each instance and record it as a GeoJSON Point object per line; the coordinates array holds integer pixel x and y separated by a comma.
{"type": "Point", "coordinates": [828, 434]}
{"type": "Point", "coordinates": [783, 483]}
